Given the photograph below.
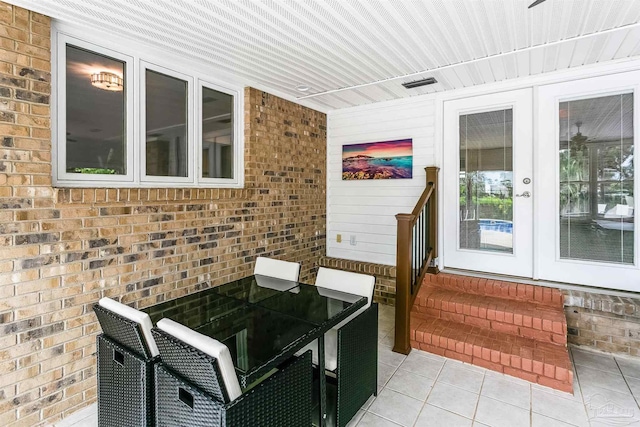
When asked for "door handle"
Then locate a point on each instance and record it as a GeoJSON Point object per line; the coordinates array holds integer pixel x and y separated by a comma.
{"type": "Point", "coordinates": [525, 194]}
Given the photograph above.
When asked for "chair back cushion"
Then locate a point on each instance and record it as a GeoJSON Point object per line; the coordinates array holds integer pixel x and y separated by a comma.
{"type": "Point", "coordinates": [209, 346]}
{"type": "Point", "coordinates": [276, 268]}
{"type": "Point", "coordinates": [136, 316]}
{"type": "Point", "coordinates": [345, 281]}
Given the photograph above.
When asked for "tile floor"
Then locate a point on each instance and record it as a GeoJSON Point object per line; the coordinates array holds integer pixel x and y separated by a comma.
{"type": "Point", "coordinates": [423, 389]}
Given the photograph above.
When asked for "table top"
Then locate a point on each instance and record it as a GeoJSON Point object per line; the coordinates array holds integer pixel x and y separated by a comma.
{"type": "Point", "coordinates": [262, 320]}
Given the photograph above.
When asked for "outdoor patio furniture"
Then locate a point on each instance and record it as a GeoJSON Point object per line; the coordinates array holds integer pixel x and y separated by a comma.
{"type": "Point", "coordinates": [126, 354]}
{"type": "Point", "coordinates": [196, 385]}
{"type": "Point", "coordinates": [285, 270]}
{"type": "Point", "coordinates": [351, 352]}
{"type": "Point", "coordinates": [263, 326]}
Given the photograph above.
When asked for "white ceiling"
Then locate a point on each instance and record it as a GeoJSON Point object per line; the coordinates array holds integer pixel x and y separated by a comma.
{"type": "Point", "coordinates": [354, 52]}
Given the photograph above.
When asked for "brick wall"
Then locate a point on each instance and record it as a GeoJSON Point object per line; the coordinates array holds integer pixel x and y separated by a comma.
{"type": "Point", "coordinates": [604, 322]}
{"type": "Point", "coordinates": [63, 249]}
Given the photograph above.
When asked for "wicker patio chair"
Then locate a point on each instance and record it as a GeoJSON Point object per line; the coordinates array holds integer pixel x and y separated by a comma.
{"type": "Point", "coordinates": [351, 347]}
{"type": "Point", "coordinates": [276, 268]}
{"type": "Point", "coordinates": [196, 385]}
{"type": "Point", "coordinates": [126, 354]}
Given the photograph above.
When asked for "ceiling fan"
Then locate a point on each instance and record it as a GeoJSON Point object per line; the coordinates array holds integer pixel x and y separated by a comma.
{"type": "Point", "coordinates": [535, 3]}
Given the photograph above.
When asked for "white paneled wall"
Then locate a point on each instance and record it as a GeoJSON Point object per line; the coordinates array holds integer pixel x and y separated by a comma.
{"type": "Point", "coordinates": [366, 209]}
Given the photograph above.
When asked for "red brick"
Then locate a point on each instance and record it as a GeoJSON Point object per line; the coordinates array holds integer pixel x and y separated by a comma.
{"type": "Point", "coordinates": [516, 361]}
{"type": "Point", "coordinates": [505, 359]}
{"type": "Point", "coordinates": [529, 292]}
{"type": "Point", "coordinates": [555, 384]}
{"type": "Point", "coordinates": [495, 356]}
{"type": "Point", "coordinates": [538, 367]}
{"type": "Point", "coordinates": [537, 323]}
{"type": "Point", "coordinates": [477, 351]}
{"type": "Point", "coordinates": [527, 321]}
{"type": "Point", "coordinates": [558, 328]}
{"type": "Point", "coordinates": [527, 376]}
{"type": "Point", "coordinates": [549, 370]}
{"type": "Point", "coordinates": [517, 319]}
{"type": "Point", "coordinates": [547, 325]}
{"type": "Point", "coordinates": [503, 327]}
{"type": "Point", "coordinates": [473, 311]}
{"type": "Point", "coordinates": [486, 353]}
{"type": "Point", "coordinates": [466, 309]}
{"type": "Point", "coordinates": [454, 317]}
{"type": "Point", "coordinates": [559, 339]}
{"type": "Point", "coordinates": [468, 349]}
{"type": "Point", "coordinates": [488, 365]}
{"type": "Point", "coordinates": [562, 374]}
{"type": "Point", "coordinates": [491, 314]}
{"type": "Point", "coordinates": [527, 365]}
{"type": "Point", "coordinates": [432, 349]}
{"type": "Point", "coordinates": [458, 356]}
{"type": "Point", "coordinates": [508, 317]}
{"type": "Point", "coordinates": [482, 323]}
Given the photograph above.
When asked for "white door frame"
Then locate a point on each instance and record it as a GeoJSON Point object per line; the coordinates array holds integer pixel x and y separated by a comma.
{"type": "Point", "coordinates": [549, 266]}
{"type": "Point", "coordinates": [520, 262]}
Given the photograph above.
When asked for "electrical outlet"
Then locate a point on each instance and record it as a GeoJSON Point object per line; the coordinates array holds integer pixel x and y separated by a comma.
{"type": "Point", "coordinates": [339, 238]}
{"type": "Point", "coordinates": [352, 240]}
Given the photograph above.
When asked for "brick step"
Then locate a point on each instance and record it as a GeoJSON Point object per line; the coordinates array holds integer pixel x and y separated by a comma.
{"type": "Point", "coordinates": [541, 322]}
{"type": "Point", "coordinates": [538, 362]}
{"type": "Point", "coordinates": [497, 288]}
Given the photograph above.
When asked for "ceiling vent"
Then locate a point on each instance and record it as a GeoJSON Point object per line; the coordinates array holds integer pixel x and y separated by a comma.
{"type": "Point", "coordinates": [418, 83]}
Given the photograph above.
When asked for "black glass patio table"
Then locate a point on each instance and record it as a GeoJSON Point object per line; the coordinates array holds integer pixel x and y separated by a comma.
{"type": "Point", "coordinates": [263, 321]}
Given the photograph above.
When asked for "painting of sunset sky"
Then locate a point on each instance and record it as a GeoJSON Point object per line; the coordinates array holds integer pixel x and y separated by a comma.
{"type": "Point", "coordinates": [378, 160]}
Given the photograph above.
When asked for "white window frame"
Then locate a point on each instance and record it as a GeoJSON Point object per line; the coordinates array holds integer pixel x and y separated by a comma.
{"type": "Point", "coordinates": [235, 132]}
{"type": "Point", "coordinates": [60, 174]}
{"type": "Point", "coordinates": [139, 57]}
{"type": "Point", "coordinates": [144, 178]}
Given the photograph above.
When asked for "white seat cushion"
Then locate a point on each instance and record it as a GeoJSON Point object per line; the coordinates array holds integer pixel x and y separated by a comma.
{"type": "Point", "coordinates": [208, 346]}
{"type": "Point", "coordinates": [135, 315]}
{"type": "Point", "coordinates": [276, 268]}
{"type": "Point", "coordinates": [346, 281]}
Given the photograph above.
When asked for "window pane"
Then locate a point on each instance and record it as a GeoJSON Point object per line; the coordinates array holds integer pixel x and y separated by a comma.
{"type": "Point", "coordinates": [96, 137]}
{"type": "Point", "coordinates": [596, 179]}
{"type": "Point", "coordinates": [166, 118]}
{"type": "Point", "coordinates": [217, 134]}
{"type": "Point", "coordinates": [486, 176]}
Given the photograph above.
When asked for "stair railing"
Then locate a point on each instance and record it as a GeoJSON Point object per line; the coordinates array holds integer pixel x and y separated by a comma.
{"type": "Point", "coordinates": [417, 240]}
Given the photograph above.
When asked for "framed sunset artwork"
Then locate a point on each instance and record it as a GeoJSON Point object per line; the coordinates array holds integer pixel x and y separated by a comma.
{"type": "Point", "coordinates": [378, 160]}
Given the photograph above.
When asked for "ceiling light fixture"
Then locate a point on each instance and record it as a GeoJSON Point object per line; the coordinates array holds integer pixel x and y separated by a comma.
{"type": "Point", "coordinates": [107, 81]}
{"type": "Point", "coordinates": [303, 88]}
{"type": "Point", "coordinates": [418, 83]}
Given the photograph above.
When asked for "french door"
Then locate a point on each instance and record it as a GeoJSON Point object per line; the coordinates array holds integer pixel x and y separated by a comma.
{"type": "Point", "coordinates": [488, 183]}
{"type": "Point", "coordinates": [586, 203]}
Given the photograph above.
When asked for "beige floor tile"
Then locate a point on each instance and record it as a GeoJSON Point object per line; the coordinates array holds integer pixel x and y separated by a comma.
{"type": "Point", "coordinates": [396, 407]}
{"type": "Point", "coordinates": [453, 399]}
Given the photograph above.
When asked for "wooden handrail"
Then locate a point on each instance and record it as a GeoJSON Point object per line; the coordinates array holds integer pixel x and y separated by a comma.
{"type": "Point", "coordinates": [416, 248]}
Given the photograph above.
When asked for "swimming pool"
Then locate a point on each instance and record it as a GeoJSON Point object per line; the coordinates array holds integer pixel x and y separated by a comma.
{"type": "Point", "coordinates": [496, 225]}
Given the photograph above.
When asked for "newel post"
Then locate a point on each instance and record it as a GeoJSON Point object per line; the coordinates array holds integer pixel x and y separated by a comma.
{"type": "Point", "coordinates": [403, 283]}
{"type": "Point", "coordinates": [432, 179]}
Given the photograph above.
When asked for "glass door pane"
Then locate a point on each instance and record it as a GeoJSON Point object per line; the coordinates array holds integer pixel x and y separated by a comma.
{"type": "Point", "coordinates": [597, 179]}
{"type": "Point", "coordinates": [486, 181]}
